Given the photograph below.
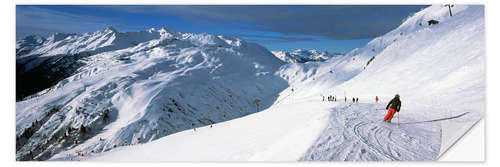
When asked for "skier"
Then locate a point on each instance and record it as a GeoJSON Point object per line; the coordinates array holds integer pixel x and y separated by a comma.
{"type": "Point", "coordinates": [357, 99]}
{"type": "Point", "coordinates": [393, 107]}
{"type": "Point", "coordinates": [345, 99]}
{"type": "Point", "coordinates": [323, 98]}
{"type": "Point", "coordinates": [376, 99]}
{"type": "Point", "coordinates": [353, 100]}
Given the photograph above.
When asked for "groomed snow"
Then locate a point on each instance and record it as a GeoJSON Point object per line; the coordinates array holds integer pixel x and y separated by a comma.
{"type": "Point", "coordinates": [277, 134]}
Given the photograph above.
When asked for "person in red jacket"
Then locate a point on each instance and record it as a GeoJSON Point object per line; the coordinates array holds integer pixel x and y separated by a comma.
{"type": "Point", "coordinates": [376, 99]}
{"type": "Point", "coordinates": [393, 107]}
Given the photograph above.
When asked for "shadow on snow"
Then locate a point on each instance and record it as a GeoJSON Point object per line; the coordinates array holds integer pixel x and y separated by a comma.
{"type": "Point", "coordinates": [441, 119]}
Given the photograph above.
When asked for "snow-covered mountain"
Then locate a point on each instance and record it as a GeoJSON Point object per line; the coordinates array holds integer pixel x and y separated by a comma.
{"type": "Point", "coordinates": [302, 56]}
{"type": "Point", "coordinates": [157, 89]}
{"type": "Point", "coordinates": [107, 39]}
{"type": "Point", "coordinates": [437, 69]}
{"type": "Point", "coordinates": [58, 56]}
{"type": "Point", "coordinates": [28, 43]}
{"type": "Point", "coordinates": [110, 89]}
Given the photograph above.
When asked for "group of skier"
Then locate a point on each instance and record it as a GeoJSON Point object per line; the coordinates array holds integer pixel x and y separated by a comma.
{"type": "Point", "coordinates": [330, 98]}
{"type": "Point", "coordinates": [392, 107]}
{"type": "Point", "coordinates": [334, 98]}
{"type": "Point", "coordinates": [355, 99]}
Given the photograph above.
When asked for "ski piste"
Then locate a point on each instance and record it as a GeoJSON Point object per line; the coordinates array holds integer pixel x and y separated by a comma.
{"type": "Point", "coordinates": [367, 137]}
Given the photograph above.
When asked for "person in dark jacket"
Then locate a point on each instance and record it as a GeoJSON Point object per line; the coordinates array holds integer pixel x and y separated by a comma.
{"type": "Point", "coordinates": [393, 107]}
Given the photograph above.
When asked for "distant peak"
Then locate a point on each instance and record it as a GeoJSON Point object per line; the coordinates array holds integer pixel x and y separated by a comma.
{"type": "Point", "coordinates": [34, 38]}
{"type": "Point", "coordinates": [163, 29]}
{"type": "Point", "coordinates": [303, 55]}
{"type": "Point", "coordinates": [109, 29]}
{"type": "Point", "coordinates": [58, 36]}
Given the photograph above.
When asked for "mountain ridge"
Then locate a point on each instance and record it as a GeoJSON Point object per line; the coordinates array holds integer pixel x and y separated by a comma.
{"type": "Point", "coordinates": [303, 56]}
{"type": "Point", "coordinates": [111, 93]}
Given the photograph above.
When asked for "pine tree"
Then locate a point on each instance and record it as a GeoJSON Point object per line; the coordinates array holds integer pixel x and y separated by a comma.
{"type": "Point", "coordinates": [82, 129]}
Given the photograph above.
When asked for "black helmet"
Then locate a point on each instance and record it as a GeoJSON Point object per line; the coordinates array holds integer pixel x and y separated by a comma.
{"type": "Point", "coordinates": [397, 95]}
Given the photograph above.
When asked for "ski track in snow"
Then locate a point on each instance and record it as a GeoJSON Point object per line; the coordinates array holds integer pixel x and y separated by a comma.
{"type": "Point", "coordinates": [356, 132]}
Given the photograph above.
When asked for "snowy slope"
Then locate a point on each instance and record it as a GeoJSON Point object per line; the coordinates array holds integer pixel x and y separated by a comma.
{"type": "Point", "coordinates": [452, 54]}
{"type": "Point", "coordinates": [58, 57]}
{"type": "Point", "coordinates": [280, 133]}
{"type": "Point", "coordinates": [144, 92]}
{"type": "Point", "coordinates": [285, 132]}
{"type": "Point", "coordinates": [302, 56]}
{"type": "Point", "coordinates": [440, 62]}
{"type": "Point", "coordinates": [100, 41]}
{"type": "Point", "coordinates": [437, 69]}
{"type": "Point", "coordinates": [28, 43]}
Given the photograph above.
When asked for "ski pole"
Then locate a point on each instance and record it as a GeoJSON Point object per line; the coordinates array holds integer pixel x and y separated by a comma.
{"type": "Point", "coordinates": [398, 118]}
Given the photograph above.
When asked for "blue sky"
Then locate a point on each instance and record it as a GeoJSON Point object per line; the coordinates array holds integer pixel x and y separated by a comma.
{"type": "Point", "coordinates": [333, 28]}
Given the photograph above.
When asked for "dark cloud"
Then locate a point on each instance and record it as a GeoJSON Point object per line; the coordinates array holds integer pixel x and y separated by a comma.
{"type": "Point", "coordinates": [338, 22]}
{"type": "Point", "coordinates": [35, 20]}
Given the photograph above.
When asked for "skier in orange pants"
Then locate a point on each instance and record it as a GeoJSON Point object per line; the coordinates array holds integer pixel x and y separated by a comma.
{"type": "Point", "coordinates": [393, 106]}
{"type": "Point", "coordinates": [390, 114]}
